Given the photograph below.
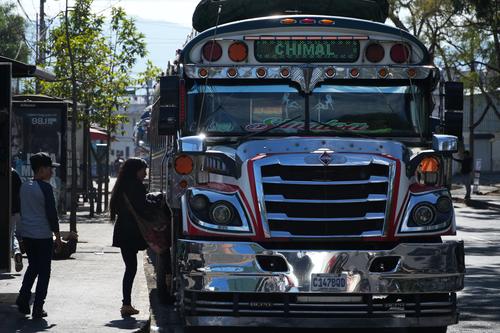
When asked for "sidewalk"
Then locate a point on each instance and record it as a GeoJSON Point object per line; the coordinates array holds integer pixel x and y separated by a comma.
{"type": "Point", "coordinates": [84, 292]}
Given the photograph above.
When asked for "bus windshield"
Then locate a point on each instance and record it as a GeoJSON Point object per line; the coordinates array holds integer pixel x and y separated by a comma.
{"type": "Point", "coordinates": [223, 110]}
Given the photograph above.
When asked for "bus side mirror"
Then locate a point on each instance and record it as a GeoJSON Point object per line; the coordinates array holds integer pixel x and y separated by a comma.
{"type": "Point", "coordinates": [454, 96]}
{"type": "Point", "coordinates": [453, 123]}
{"type": "Point", "coordinates": [168, 119]}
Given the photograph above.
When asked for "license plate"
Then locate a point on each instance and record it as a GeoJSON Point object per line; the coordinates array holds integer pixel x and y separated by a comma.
{"type": "Point", "coordinates": [329, 282]}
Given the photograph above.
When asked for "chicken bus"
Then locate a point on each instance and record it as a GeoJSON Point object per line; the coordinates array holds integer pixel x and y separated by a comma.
{"type": "Point", "coordinates": [308, 174]}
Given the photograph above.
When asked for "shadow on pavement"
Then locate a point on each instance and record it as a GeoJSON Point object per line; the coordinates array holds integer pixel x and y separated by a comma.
{"type": "Point", "coordinates": [481, 204]}
{"type": "Point", "coordinates": [28, 325]}
{"type": "Point", "coordinates": [8, 276]}
{"type": "Point", "coordinates": [480, 300]}
{"type": "Point", "coordinates": [126, 323]}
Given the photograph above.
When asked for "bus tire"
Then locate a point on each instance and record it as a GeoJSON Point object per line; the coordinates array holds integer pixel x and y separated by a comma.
{"type": "Point", "coordinates": [163, 279]}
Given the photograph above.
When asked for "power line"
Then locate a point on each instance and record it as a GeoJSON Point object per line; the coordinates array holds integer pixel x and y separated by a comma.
{"type": "Point", "coordinates": [24, 12]}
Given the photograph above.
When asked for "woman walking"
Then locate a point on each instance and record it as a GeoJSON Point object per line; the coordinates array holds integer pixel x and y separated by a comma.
{"type": "Point", "coordinates": [126, 233]}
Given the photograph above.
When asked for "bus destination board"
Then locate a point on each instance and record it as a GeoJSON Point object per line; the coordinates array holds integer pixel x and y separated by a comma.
{"type": "Point", "coordinates": [342, 51]}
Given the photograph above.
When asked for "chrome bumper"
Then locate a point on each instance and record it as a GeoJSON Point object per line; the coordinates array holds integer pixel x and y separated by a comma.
{"type": "Point", "coordinates": [236, 267]}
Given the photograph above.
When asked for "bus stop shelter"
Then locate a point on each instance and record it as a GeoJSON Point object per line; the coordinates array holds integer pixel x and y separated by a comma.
{"type": "Point", "coordinates": [9, 69]}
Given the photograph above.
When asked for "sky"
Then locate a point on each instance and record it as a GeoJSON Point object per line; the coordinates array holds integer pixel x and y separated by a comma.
{"type": "Point", "coordinates": [166, 23]}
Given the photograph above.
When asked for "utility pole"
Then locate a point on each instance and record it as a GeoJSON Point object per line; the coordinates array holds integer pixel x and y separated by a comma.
{"type": "Point", "coordinates": [41, 38]}
{"type": "Point", "coordinates": [471, 112]}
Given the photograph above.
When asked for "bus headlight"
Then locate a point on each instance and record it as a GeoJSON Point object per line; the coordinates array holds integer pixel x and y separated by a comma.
{"type": "Point", "coordinates": [427, 213]}
{"type": "Point", "coordinates": [221, 213]}
{"type": "Point", "coordinates": [214, 211]}
{"type": "Point", "coordinates": [423, 214]}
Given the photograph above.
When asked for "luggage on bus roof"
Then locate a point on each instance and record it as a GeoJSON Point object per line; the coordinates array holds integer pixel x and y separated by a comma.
{"type": "Point", "coordinates": [205, 15]}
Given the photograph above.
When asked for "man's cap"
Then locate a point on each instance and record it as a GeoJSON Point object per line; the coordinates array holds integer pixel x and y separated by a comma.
{"type": "Point", "coordinates": [42, 160]}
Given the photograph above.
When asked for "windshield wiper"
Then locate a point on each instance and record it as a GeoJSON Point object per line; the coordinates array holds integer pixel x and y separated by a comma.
{"type": "Point", "coordinates": [340, 130]}
{"type": "Point", "coordinates": [269, 128]}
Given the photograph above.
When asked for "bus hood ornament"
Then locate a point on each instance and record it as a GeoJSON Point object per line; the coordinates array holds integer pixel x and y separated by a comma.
{"type": "Point", "coordinates": [326, 158]}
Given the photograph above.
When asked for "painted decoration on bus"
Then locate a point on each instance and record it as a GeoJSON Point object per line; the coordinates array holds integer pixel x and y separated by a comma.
{"type": "Point", "coordinates": [37, 128]}
{"type": "Point", "coordinates": [299, 125]}
{"type": "Point", "coordinates": [343, 51]}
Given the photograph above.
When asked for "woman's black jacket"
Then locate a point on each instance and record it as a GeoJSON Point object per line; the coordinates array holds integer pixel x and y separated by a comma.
{"type": "Point", "coordinates": [126, 233]}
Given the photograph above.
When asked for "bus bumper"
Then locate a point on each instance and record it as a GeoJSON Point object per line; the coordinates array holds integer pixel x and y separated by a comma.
{"type": "Point", "coordinates": [244, 284]}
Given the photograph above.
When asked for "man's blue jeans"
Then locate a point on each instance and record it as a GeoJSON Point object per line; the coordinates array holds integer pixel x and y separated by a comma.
{"type": "Point", "coordinates": [39, 253]}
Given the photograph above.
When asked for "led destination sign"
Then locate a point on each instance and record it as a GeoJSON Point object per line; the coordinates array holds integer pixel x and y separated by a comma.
{"type": "Point", "coordinates": [343, 51]}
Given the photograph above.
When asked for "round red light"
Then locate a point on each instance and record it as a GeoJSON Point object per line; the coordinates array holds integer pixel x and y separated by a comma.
{"type": "Point", "coordinates": [400, 53]}
{"type": "Point", "coordinates": [308, 21]}
{"type": "Point", "coordinates": [330, 72]}
{"type": "Point", "coordinates": [354, 73]}
{"type": "Point", "coordinates": [238, 51]}
{"type": "Point", "coordinates": [212, 51]}
{"type": "Point", "coordinates": [375, 52]}
{"type": "Point", "coordinates": [203, 73]}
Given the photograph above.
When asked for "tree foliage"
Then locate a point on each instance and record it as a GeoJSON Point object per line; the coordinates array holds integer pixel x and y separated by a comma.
{"type": "Point", "coordinates": [105, 52]}
{"type": "Point", "coordinates": [460, 34]}
{"type": "Point", "coordinates": [12, 34]}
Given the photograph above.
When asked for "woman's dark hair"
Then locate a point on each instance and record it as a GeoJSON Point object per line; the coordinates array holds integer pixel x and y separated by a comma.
{"type": "Point", "coordinates": [128, 173]}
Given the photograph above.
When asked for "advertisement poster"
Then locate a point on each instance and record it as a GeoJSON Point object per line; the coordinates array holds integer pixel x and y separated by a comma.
{"type": "Point", "coordinates": [39, 127]}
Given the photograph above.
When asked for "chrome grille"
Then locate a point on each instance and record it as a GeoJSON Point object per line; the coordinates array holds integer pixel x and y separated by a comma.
{"type": "Point", "coordinates": [348, 200]}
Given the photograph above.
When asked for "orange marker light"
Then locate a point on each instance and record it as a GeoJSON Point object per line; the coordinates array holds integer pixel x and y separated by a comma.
{"type": "Point", "coordinates": [261, 72]}
{"type": "Point", "coordinates": [412, 72]}
{"type": "Point", "coordinates": [203, 73]}
{"type": "Point", "coordinates": [285, 73]}
{"type": "Point", "coordinates": [183, 165]}
{"type": "Point", "coordinates": [232, 72]}
{"type": "Point", "coordinates": [327, 22]}
{"type": "Point", "coordinates": [354, 73]}
{"type": "Point", "coordinates": [183, 184]}
{"type": "Point", "coordinates": [238, 51]}
{"type": "Point", "coordinates": [429, 164]}
{"type": "Point", "coordinates": [383, 73]}
{"type": "Point", "coordinates": [288, 21]}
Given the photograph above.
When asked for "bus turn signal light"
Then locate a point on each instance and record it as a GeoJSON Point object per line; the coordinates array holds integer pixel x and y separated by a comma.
{"type": "Point", "coordinates": [238, 51]}
{"type": "Point", "coordinates": [183, 165]}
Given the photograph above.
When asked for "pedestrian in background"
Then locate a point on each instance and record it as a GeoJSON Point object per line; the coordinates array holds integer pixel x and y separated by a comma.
{"type": "Point", "coordinates": [466, 167]}
{"type": "Point", "coordinates": [126, 235]}
{"type": "Point", "coordinates": [38, 222]}
{"type": "Point", "coordinates": [14, 220]}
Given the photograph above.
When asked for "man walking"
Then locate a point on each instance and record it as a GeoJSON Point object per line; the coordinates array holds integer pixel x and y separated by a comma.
{"type": "Point", "coordinates": [466, 171]}
{"type": "Point", "coordinates": [38, 221]}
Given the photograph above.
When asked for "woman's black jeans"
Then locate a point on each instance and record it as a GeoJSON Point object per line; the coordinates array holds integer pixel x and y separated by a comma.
{"type": "Point", "coordinates": [39, 253]}
{"type": "Point", "coordinates": [130, 259]}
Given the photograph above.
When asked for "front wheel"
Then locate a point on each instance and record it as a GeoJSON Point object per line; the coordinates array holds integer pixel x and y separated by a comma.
{"type": "Point", "coordinates": [164, 279]}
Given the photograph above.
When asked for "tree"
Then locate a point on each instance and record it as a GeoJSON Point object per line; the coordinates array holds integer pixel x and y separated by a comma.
{"type": "Point", "coordinates": [126, 44]}
{"type": "Point", "coordinates": [12, 34]}
{"type": "Point", "coordinates": [102, 56]}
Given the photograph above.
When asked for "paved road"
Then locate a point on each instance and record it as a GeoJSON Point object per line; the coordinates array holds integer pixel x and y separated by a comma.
{"type": "Point", "coordinates": [479, 302]}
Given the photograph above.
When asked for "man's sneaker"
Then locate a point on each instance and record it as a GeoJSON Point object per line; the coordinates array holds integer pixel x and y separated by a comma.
{"type": "Point", "coordinates": [23, 305]}
{"type": "Point", "coordinates": [128, 310]}
{"type": "Point", "coordinates": [18, 259]}
{"type": "Point", "coordinates": [38, 313]}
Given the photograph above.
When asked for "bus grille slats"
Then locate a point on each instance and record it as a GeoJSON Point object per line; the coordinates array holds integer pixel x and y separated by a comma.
{"type": "Point", "coordinates": [347, 200]}
{"type": "Point", "coordinates": [276, 304]}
